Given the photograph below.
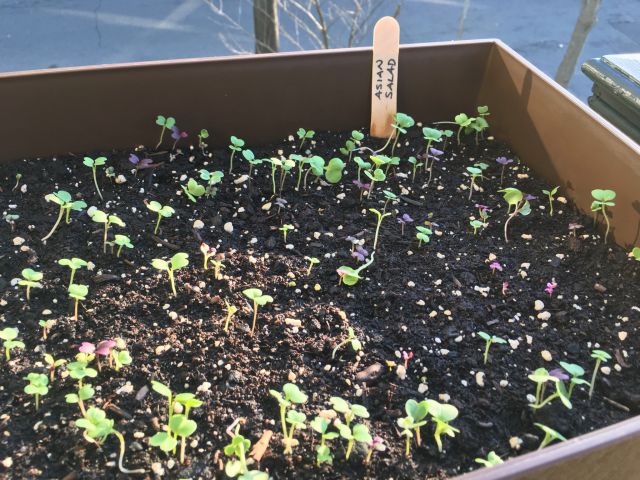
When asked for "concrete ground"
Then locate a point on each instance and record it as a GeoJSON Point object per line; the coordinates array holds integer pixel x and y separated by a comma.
{"type": "Point", "coordinates": [37, 34]}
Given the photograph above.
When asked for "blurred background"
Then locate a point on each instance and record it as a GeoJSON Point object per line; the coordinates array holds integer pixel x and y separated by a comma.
{"type": "Point", "coordinates": [556, 35]}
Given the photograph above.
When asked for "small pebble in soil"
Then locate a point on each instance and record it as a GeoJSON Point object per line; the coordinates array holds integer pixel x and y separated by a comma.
{"type": "Point", "coordinates": [544, 316]}
{"type": "Point", "coordinates": [515, 443]}
{"type": "Point", "coordinates": [622, 336]}
{"type": "Point", "coordinates": [538, 305]}
{"type": "Point", "coordinates": [228, 227]}
{"type": "Point", "coordinates": [480, 379]}
{"type": "Point", "coordinates": [546, 355]}
{"type": "Point", "coordinates": [605, 370]}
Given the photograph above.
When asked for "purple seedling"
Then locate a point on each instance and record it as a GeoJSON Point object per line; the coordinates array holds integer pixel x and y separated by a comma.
{"type": "Point", "coordinates": [140, 163]}
{"type": "Point", "coordinates": [177, 134]}
{"type": "Point", "coordinates": [551, 286]}
{"type": "Point", "coordinates": [495, 266]}
{"type": "Point", "coordinates": [360, 253]}
{"type": "Point", "coordinates": [406, 356]}
{"type": "Point", "coordinates": [504, 161]}
{"type": "Point", "coordinates": [434, 154]}
{"type": "Point", "coordinates": [404, 220]}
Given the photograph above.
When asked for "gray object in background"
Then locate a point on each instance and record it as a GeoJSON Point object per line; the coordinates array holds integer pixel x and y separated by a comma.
{"type": "Point", "coordinates": [616, 90]}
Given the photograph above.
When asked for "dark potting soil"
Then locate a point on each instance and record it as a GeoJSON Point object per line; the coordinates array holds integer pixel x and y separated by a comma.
{"type": "Point", "coordinates": [430, 300]}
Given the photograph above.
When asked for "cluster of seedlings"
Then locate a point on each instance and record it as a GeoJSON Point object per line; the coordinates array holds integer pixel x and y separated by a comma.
{"type": "Point", "coordinates": [344, 423]}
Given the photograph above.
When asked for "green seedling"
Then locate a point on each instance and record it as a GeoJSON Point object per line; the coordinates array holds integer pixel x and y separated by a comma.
{"type": "Point", "coordinates": [79, 371]}
{"type": "Point", "coordinates": [78, 293]}
{"type": "Point", "coordinates": [231, 311]}
{"type": "Point", "coordinates": [447, 134]}
{"type": "Point", "coordinates": [93, 164]}
{"type": "Point", "coordinates": [601, 200]}
{"type": "Point", "coordinates": [576, 372]}
{"type": "Point", "coordinates": [362, 165]}
{"type": "Point", "coordinates": [165, 391]}
{"type": "Point", "coordinates": [163, 211]}
{"type": "Point", "coordinates": [30, 279]}
{"type": "Point", "coordinates": [377, 445]}
{"type": "Point", "coordinates": [312, 261]}
{"type": "Point", "coordinates": [182, 427]}
{"type": "Point", "coordinates": [489, 339]}
{"type": "Point", "coordinates": [52, 364]}
{"type": "Point", "coordinates": [430, 135]}
{"type": "Point", "coordinates": [46, 326]}
{"type": "Point", "coordinates": [541, 377]}
{"type": "Point", "coordinates": [304, 135]}
{"type": "Point", "coordinates": [258, 299]}
{"type": "Point", "coordinates": [120, 359]}
{"type": "Point", "coordinates": [202, 136]}
{"type": "Point", "coordinates": [376, 176]}
{"type": "Point", "coordinates": [635, 253]}
{"type": "Point", "coordinates": [480, 124]}
{"type": "Point", "coordinates": [351, 144]}
{"type": "Point", "coordinates": [207, 253]}
{"type": "Point", "coordinates": [492, 460]}
{"type": "Point", "coordinates": [122, 241]}
{"type": "Point", "coordinates": [601, 357]}
{"type": "Point", "coordinates": [193, 190]}
{"type": "Point", "coordinates": [110, 173]}
{"type": "Point", "coordinates": [290, 395]}
{"type": "Point", "coordinates": [213, 178]}
{"type": "Point", "coordinates": [255, 162]}
{"type": "Point", "coordinates": [9, 336]}
{"type": "Point", "coordinates": [333, 170]}
{"type": "Point", "coordinates": [551, 196]}
{"type": "Point", "coordinates": [63, 199]}
{"type": "Point", "coordinates": [516, 200]}
{"type": "Point", "coordinates": [285, 229]}
{"type": "Point", "coordinates": [237, 467]}
{"type": "Point", "coordinates": [350, 276]}
{"type": "Point", "coordinates": [389, 196]}
{"type": "Point", "coordinates": [423, 235]}
{"type": "Point", "coordinates": [97, 427]}
{"type": "Point", "coordinates": [401, 122]}
{"type": "Point", "coordinates": [549, 435]}
{"type": "Point", "coordinates": [416, 164]}
{"type": "Point", "coordinates": [474, 172]}
{"type": "Point", "coordinates": [73, 264]}
{"type": "Point", "coordinates": [38, 385]}
{"type": "Point", "coordinates": [18, 178]}
{"type": "Point", "coordinates": [416, 414]}
{"type": "Point", "coordinates": [99, 216]}
{"type": "Point", "coordinates": [356, 433]}
{"type": "Point", "coordinates": [463, 122]}
{"type": "Point", "coordinates": [442, 414]}
{"type": "Point", "coordinates": [351, 339]}
{"type": "Point", "coordinates": [316, 166]}
{"type": "Point", "coordinates": [235, 146]}
{"type": "Point", "coordinates": [393, 162]}
{"type": "Point", "coordinates": [285, 167]}
{"type": "Point", "coordinates": [380, 216]}
{"type": "Point", "coordinates": [323, 452]}
{"type": "Point", "coordinates": [476, 225]}
{"type": "Point", "coordinates": [301, 161]}
{"type": "Point", "coordinates": [165, 123]}
{"type": "Point", "coordinates": [178, 261]}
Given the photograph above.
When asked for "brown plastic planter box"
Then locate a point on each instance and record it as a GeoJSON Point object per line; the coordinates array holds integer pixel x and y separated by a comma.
{"type": "Point", "coordinates": [264, 98]}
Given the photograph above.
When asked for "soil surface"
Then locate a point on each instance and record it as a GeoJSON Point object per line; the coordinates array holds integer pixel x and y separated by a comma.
{"type": "Point", "coordinates": [431, 300]}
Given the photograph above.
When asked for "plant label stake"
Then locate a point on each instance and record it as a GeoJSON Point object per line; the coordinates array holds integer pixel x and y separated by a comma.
{"type": "Point", "coordinates": [384, 76]}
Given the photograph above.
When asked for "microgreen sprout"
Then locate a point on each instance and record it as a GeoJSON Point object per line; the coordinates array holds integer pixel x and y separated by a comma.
{"type": "Point", "coordinates": [73, 264]}
{"type": "Point", "coordinates": [316, 166]}
{"type": "Point", "coordinates": [475, 172]}
{"type": "Point", "coordinates": [9, 336]}
{"type": "Point", "coordinates": [79, 370]}
{"type": "Point", "coordinates": [406, 357]}
{"type": "Point", "coordinates": [122, 241]}
{"type": "Point", "coordinates": [312, 261]}
{"type": "Point", "coordinates": [235, 146]}
{"type": "Point", "coordinates": [430, 135]}
{"type": "Point", "coordinates": [351, 144]}
{"type": "Point", "coordinates": [442, 414]}
{"type": "Point", "coordinates": [193, 190]}
{"type": "Point", "coordinates": [181, 425]}
{"type": "Point", "coordinates": [38, 385]}
{"type": "Point", "coordinates": [549, 435]}
{"type": "Point", "coordinates": [359, 253]}
{"type": "Point", "coordinates": [248, 154]}
{"type": "Point", "coordinates": [258, 299]}
{"type": "Point", "coordinates": [333, 170]}
{"type": "Point", "coordinates": [600, 356]}
{"type": "Point", "coordinates": [93, 164]}
{"type": "Point", "coordinates": [377, 175]}
{"type": "Point", "coordinates": [163, 211]}
{"type": "Point", "coordinates": [237, 467]}
{"type": "Point", "coordinates": [213, 178]}
{"type": "Point", "coordinates": [416, 164]}
{"type": "Point", "coordinates": [231, 311]}
{"type": "Point", "coordinates": [551, 196]}
{"type": "Point", "coordinates": [356, 433]}
{"type": "Point", "coordinates": [99, 216]}
{"type": "Point", "coordinates": [495, 265]}
{"type": "Point", "coordinates": [489, 339]}
{"type": "Point", "coordinates": [290, 394]}
{"type": "Point", "coordinates": [416, 414]}
{"type": "Point", "coordinates": [576, 372]}
{"type": "Point", "coordinates": [635, 253]}
{"type": "Point", "coordinates": [285, 229]}
{"type": "Point", "coordinates": [463, 122]}
{"type": "Point", "coordinates": [323, 452]}
{"type": "Point", "coordinates": [164, 122]}
{"type": "Point", "coordinates": [18, 178]}
{"type": "Point", "coordinates": [551, 286]}
{"type": "Point", "coordinates": [46, 326]}
{"type": "Point", "coordinates": [423, 235]}
{"type": "Point", "coordinates": [504, 161]}
{"type": "Point", "coordinates": [541, 377]}
{"type": "Point", "coordinates": [304, 135]}
{"type": "Point", "coordinates": [480, 123]}
{"type": "Point", "coordinates": [350, 276]}
{"type": "Point", "coordinates": [63, 199]}
{"type": "Point", "coordinates": [202, 136]}
{"type": "Point", "coordinates": [362, 165]}
{"type": "Point", "coordinates": [139, 163]}
{"type": "Point", "coordinates": [376, 445]}
{"type": "Point", "coordinates": [401, 122]}
{"type": "Point", "coordinates": [404, 220]}
{"type": "Point", "coordinates": [77, 292]}
{"type": "Point", "coordinates": [356, 345]}
{"type": "Point", "coordinates": [177, 261]}
{"type": "Point", "coordinates": [516, 200]}
{"type": "Point", "coordinates": [97, 427]}
{"type": "Point", "coordinates": [434, 154]}
{"type": "Point", "coordinates": [476, 224]}
{"type": "Point", "coordinates": [30, 279]}
{"type": "Point", "coordinates": [177, 134]}
{"type": "Point", "coordinates": [492, 460]}
{"type": "Point", "coordinates": [52, 364]}
{"type": "Point", "coordinates": [380, 216]}
{"type": "Point", "coordinates": [601, 200]}
{"type": "Point", "coordinates": [207, 253]}
{"type": "Point", "coordinates": [389, 196]}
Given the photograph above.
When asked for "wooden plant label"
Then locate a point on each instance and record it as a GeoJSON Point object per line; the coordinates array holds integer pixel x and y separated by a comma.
{"type": "Point", "coordinates": [384, 76]}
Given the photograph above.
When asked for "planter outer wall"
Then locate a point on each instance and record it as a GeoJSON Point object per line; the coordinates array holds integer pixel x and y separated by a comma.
{"type": "Point", "coordinates": [267, 97]}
